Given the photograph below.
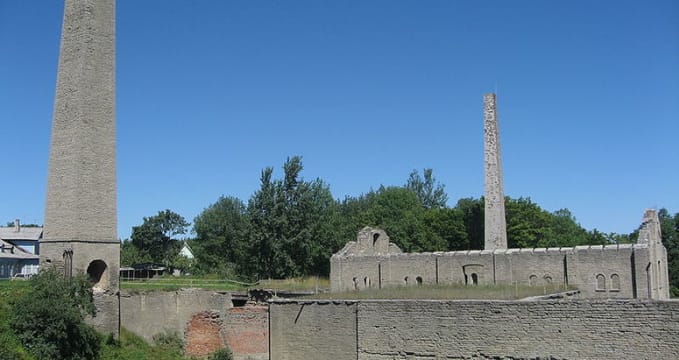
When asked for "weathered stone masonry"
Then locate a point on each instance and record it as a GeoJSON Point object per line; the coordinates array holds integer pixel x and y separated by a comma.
{"type": "Point", "coordinates": [207, 320]}
{"type": "Point", "coordinates": [417, 329]}
{"type": "Point", "coordinates": [495, 235]}
{"type": "Point", "coordinates": [80, 215]}
{"type": "Point", "coordinates": [612, 271]}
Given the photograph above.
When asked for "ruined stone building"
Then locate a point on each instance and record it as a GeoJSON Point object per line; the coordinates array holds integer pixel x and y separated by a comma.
{"type": "Point", "coordinates": [612, 271]}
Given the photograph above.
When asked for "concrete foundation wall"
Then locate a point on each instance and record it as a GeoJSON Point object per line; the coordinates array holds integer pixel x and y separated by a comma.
{"type": "Point", "coordinates": [313, 330]}
{"type": "Point", "coordinates": [401, 329]}
{"type": "Point", "coordinates": [151, 313]}
{"type": "Point", "coordinates": [205, 319]}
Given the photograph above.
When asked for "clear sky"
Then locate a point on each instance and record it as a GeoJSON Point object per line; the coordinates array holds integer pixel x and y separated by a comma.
{"type": "Point", "coordinates": [211, 92]}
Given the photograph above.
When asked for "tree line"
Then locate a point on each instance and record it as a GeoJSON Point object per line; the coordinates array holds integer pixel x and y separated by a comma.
{"type": "Point", "coordinates": [291, 226]}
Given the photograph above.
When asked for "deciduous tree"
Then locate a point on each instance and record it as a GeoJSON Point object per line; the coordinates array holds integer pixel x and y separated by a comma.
{"type": "Point", "coordinates": [154, 237]}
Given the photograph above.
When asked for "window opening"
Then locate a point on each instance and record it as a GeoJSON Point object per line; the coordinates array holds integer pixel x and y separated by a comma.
{"type": "Point", "coordinates": [600, 283]}
{"type": "Point", "coordinates": [615, 282]}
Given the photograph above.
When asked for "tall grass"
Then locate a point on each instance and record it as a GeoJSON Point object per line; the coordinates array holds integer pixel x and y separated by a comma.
{"type": "Point", "coordinates": [172, 283]}
{"type": "Point", "coordinates": [447, 292]}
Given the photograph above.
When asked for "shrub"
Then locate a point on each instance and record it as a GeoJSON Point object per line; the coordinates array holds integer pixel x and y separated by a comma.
{"type": "Point", "coordinates": [221, 354]}
{"type": "Point", "coordinates": [49, 318]}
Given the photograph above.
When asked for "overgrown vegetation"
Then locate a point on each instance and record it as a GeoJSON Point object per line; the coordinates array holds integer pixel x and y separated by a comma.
{"type": "Point", "coordinates": [291, 226]}
{"type": "Point", "coordinates": [14, 294]}
{"type": "Point", "coordinates": [447, 292]}
{"type": "Point", "coordinates": [221, 354]}
{"type": "Point", "coordinates": [48, 318]}
{"type": "Point", "coordinates": [132, 347]}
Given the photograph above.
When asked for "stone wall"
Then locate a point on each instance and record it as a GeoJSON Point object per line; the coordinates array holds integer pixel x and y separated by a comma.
{"type": "Point", "coordinates": [611, 271]}
{"type": "Point", "coordinates": [313, 330]}
{"type": "Point", "coordinates": [207, 320]}
{"type": "Point", "coordinates": [402, 329]}
{"type": "Point", "coordinates": [150, 313]}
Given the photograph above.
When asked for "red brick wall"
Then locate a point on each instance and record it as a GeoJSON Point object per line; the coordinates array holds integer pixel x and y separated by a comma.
{"type": "Point", "coordinates": [203, 334]}
{"type": "Point", "coordinates": [247, 330]}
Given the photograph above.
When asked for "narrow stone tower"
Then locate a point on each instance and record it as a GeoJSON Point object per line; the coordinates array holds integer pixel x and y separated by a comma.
{"type": "Point", "coordinates": [495, 224]}
{"type": "Point", "coordinates": [80, 215]}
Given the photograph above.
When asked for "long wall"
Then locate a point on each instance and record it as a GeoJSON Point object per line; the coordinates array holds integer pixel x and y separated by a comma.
{"type": "Point", "coordinates": [614, 271]}
{"type": "Point", "coordinates": [403, 329]}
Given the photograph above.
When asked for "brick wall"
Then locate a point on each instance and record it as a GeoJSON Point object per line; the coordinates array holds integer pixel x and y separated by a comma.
{"type": "Point", "coordinates": [246, 330]}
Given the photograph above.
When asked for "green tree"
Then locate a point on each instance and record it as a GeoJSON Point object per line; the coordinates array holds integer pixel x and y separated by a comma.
{"type": "Point", "coordinates": [669, 227]}
{"type": "Point", "coordinates": [287, 223]}
{"type": "Point", "coordinates": [472, 217]}
{"type": "Point", "coordinates": [431, 193]}
{"type": "Point", "coordinates": [447, 224]}
{"type": "Point", "coordinates": [221, 237]}
{"type": "Point", "coordinates": [131, 255]}
{"type": "Point", "coordinates": [564, 231]}
{"type": "Point", "coordinates": [49, 319]}
{"type": "Point", "coordinates": [528, 225]}
{"type": "Point", "coordinates": [400, 213]}
{"type": "Point", "coordinates": [154, 237]}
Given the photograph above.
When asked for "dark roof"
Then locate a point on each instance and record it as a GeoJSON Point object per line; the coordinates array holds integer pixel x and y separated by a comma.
{"type": "Point", "coordinates": [9, 251]}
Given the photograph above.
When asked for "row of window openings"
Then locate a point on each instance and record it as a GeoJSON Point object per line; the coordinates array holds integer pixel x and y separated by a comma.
{"type": "Point", "coordinates": [601, 282]}
{"type": "Point", "coordinates": [407, 281]}
{"type": "Point", "coordinates": [532, 281]}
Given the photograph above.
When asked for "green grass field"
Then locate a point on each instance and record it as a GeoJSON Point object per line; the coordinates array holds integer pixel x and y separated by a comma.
{"type": "Point", "coordinates": [446, 292]}
{"type": "Point", "coordinates": [171, 283]}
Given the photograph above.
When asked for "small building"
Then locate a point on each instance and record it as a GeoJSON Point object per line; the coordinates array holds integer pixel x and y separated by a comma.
{"type": "Point", "coordinates": [25, 237]}
{"type": "Point", "coordinates": [186, 251]}
{"type": "Point", "coordinates": [15, 260]}
{"type": "Point", "coordinates": [19, 249]}
{"type": "Point", "coordinates": [142, 271]}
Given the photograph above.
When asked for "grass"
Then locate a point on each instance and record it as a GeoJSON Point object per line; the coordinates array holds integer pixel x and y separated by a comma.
{"type": "Point", "coordinates": [446, 292]}
{"type": "Point", "coordinates": [132, 347]}
{"type": "Point", "coordinates": [307, 283]}
{"type": "Point", "coordinates": [172, 283]}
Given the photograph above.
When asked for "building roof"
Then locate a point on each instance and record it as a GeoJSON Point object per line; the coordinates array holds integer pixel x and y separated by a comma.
{"type": "Point", "coordinates": [24, 233]}
{"type": "Point", "coordinates": [9, 251]}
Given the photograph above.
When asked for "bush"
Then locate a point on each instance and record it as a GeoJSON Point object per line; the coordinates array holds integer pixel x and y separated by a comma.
{"type": "Point", "coordinates": [49, 318]}
{"type": "Point", "coordinates": [221, 354]}
{"type": "Point", "coordinates": [170, 341]}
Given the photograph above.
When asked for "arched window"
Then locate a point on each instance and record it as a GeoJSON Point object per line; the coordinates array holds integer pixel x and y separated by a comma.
{"type": "Point", "coordinates": [96, 272]}
{"type": "Point", "coordinates": [600, 282]}
{"type": "Point", "coordinates": [615, 282]}
{"type": "Point", "coordinates": [375, 237]}
{"type": "Point", "coordinates": [548, 280]}
{"type": "Point", "coordinates": [405, 280]}
{"type": "Point", "coordinates": [532, 280]}
{"type": "Point", "coordinates": [419, 280]}
{"type": "Point", "coordinates": [355, 281]}
{"type": "Point", "coordinates": [475, 279]}
{"type": "Point", "coordinates": [68, 263]}
{"type": "Point", "coordinates": [366, 281]}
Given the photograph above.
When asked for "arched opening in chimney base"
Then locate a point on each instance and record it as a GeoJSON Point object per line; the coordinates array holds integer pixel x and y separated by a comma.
{"type": "Point", "coordinates": [97, 273]}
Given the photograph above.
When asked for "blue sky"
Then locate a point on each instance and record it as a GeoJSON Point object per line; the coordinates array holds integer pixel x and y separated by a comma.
{"type": "Point", "coordinates": [211, 92]}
